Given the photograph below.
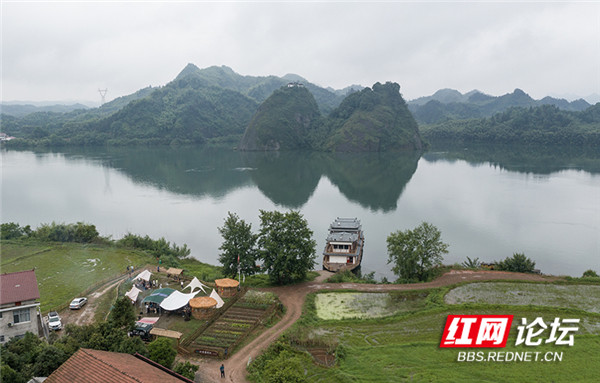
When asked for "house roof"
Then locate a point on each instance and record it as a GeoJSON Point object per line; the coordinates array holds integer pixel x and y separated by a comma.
{"type": "Point", "coordinates": [94, 366]}
{"type": "Point", "coordinates": [18, 287]}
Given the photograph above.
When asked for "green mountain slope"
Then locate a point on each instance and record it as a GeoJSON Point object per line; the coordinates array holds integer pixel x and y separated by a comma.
{"type": "Point", "coordinates": [374, 119]}
{"type": "Point", "coordinates": [286, 120]}
{"type": "Point", "coordinates": [449, 104]}
{"type": "Point", "coordinates": [541, 125]}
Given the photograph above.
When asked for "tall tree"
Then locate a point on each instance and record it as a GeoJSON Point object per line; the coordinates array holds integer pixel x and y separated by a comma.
{"type": "Point", "coordinates": [414, 253]}
{"type": "Point", "coordinates": [122, 315]}
{"type": "Point", "coordinates": [286, 246]}
{"type": "Point", "coordinates": [161, 351]}
{"type": "Point", "coordinates": [238, 247]}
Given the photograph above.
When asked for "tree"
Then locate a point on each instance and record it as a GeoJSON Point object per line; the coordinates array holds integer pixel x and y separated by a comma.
{"type": "Point", "coordinates": [414, 253]}
{"type": "Point", "coordinates": [286, 246]}
{"type": "Point", "coordinates": [122, 315]}
{"type": "Point", "coordinates": [590, 274]}
{"type": "Point", "coordinates": [518, 263]}
{"type": "Point", "coordinates": [186, 369]}
{"type": "Point", "coordinates": [161, 351]}
{"type": "Point", "coordinates": [238, 247]}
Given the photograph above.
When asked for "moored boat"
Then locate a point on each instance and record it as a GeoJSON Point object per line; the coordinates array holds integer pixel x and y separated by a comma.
{"type": "Point", "coordinates": [344, 246]}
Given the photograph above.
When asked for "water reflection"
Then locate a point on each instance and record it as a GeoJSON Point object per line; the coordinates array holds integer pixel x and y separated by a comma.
{"type": "Point", "coordinates": [543, 160]}
{"type": "Point", "coordinates": [288, 179]}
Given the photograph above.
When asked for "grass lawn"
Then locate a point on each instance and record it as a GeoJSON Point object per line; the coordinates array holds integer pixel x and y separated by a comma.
{"type": "Point", "coordinates": [65, 270]}
{"type": "Point", "coordinates": [405, 347]}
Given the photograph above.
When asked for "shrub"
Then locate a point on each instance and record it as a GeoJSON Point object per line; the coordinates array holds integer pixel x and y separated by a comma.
{"type": "Point", "coordinates": [590, 274]}
{"type": "Point", "coordinates": [518, 263]}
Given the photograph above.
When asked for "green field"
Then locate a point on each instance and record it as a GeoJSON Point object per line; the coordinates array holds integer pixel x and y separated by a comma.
{"type": "Point", "coordinates": [66, 270]}
{"type": "Point", "coordinates": [404, 347]}
{"type": "Point", "coordinates": [584, 297]}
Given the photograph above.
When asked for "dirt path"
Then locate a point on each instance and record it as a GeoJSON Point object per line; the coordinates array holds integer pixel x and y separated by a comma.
{"type": "Point", "coordinates": [293, 299]}
{"type": "Point", "coordinates": [85, 315]}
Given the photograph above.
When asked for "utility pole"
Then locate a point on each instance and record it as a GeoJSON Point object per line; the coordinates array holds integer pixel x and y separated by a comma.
{"type": "Point", "coordinates": [103, 95]}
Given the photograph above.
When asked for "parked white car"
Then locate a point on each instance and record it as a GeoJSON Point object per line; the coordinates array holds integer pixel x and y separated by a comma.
{"type": "Point", "coordinates": [54, 322]}
{"type": "Point", "coordinates": [77, 303]}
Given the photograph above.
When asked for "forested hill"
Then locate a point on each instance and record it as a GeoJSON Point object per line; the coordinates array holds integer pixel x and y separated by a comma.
{"type": "Point", "coordinates": [449, 104]}
{"type": "Point", "coordinates": [542, 125]}
{"type": "Point", "coordinates": [286, 120]}
{"type": "Point", "coordinates": [372, 120]}
{"type": "Point", "coordinates": [198, 105]}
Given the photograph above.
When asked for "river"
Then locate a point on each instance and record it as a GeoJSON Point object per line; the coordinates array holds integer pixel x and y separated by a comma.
{"type": "Point", "coordinates": [487, 202]}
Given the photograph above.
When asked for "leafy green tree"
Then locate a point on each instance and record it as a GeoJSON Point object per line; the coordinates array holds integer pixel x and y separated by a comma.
{"type": "Point", "coordinates": [186, 369]}
{"type": "Point", "coordinates": [49, 359]}
{"type": "Point", "coordinates": [238, 247]}
{"type": "Point", "coordinates": [286, 246]}
{"type": "Point", "coordinates": [12, 230]}
{"type": "Point", "coordinates": [590, 274]}
{"type": "Point", "coordinates": [161, 351]}
{"type": "Point", "coordinates": [122, 315]}
{"type": "Point", "coordinates": [518, 263]}
{"type": "Point", "coordinates": [414, 253]}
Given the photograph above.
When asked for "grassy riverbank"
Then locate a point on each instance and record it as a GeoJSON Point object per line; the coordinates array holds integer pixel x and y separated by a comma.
{"type": "Point", "coordinates": [66, 270]}
{"type": "Point", "coordinates": [404, 346]}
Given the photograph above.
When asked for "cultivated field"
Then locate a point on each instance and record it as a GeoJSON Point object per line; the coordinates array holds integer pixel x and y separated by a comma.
{"type": "Point", "coordinates": [583, 297]}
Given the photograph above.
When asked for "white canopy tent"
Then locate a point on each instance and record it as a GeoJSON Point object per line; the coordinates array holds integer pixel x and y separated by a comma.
{"type": "Point", "coordinates": [145, 275]}
{"type": "Point", "coordinates": [133, 293]}
{"type": "Point", "coordinates": [217, 298]}
{"type": "Point", "coordinates": [177, 300]}
{"type": "Point", "coordinates": [196, 283]}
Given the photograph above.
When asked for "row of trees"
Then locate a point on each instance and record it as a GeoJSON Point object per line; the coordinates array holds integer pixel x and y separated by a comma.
{"type": "Point", "coordinates": [284, 244]}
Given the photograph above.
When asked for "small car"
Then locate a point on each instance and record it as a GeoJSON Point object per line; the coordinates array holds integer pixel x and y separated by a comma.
{"type": "Point", "coordinates": [54, 322]}
{"type": "Point", "coordinates": [77, 303]}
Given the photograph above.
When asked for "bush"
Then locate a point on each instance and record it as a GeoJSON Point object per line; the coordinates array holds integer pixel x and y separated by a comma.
{"type": "Point", "coordinates": [590, 274]}
{"type": "Point", "coordinates": [12, 230]}
{"type": "Point", "coordinates": [186, 369]}
{"type": "Point", "coordinates": [62, 232]}
{"type": "Point", "coordinates": [518, 263]}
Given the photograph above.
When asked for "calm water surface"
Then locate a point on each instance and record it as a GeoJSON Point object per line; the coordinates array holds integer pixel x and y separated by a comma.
{"type": "Point", "coordinates": [487, 203]}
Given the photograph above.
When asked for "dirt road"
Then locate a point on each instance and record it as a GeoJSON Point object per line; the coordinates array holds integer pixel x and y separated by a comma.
{"type": "Point", "coordinates": [293, 299]}
{"type": "Point", "coordinates": [85, 315]}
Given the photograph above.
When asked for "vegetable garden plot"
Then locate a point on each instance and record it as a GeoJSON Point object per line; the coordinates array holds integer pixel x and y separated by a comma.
{"type": "Point", "coordinates": [225, 333]}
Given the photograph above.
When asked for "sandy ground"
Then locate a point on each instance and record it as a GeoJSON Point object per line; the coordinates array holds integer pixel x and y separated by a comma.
{"type": "Point", "coordinates": [293, 299]}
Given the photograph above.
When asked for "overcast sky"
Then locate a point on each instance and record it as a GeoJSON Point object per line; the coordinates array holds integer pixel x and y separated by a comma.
{"type": "Point", "coordinates": [68, 50]}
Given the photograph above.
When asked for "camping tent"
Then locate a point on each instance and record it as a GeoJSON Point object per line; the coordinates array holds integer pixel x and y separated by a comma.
{"type": "Point", "coordinates": [196, 283]}
{"type": "Point", "coordinates": [145, 275]}
{"type": "Point", "coordinates": [133, 293]}
{"type": "Point", "coordinates": [177, 300]}
{"type": "Point", "coordinates": [217, 298]}
{"type": "Point", "coordinates": [158, 295]}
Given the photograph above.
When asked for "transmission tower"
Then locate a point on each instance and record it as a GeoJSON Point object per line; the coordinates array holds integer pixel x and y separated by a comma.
{"type": "Point", "coordinates": [103, 95]}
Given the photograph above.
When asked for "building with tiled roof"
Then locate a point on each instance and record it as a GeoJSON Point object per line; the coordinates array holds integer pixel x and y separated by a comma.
{"type": "Point", "coordinates": [94, 366]}
{"type": "Point", "coordinates": [19, 305]}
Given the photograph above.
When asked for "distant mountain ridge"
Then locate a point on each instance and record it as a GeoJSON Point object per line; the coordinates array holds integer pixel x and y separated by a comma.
{"type": "Point", "coordinates": [450, 104]}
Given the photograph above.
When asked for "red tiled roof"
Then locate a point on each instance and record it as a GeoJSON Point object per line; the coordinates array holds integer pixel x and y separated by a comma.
{"type": "Point", "coordinates": [18, 287]}
{"type": "Point", "coordinates": [94, 366]}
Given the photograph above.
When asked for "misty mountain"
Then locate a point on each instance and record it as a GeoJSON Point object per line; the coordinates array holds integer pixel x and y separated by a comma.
{"type": "Point", "coordinates": [449, 104]}
{"type": "Point", "coordinates": [284, 121]}
{"type": "Point", "coordinates": [20, 110]}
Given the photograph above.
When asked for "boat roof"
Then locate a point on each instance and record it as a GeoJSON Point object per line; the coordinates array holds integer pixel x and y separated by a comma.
{"type": "Point", "coordinates": [342, 237]}
{"type": "Point", "coordinates": [344, 224]}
